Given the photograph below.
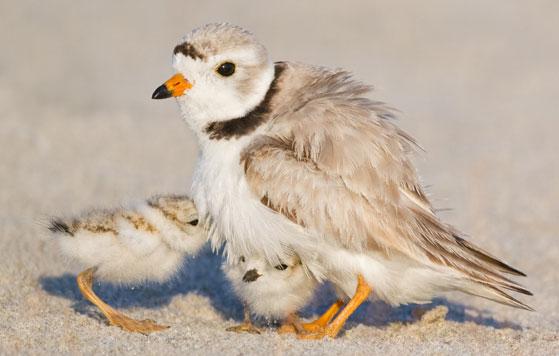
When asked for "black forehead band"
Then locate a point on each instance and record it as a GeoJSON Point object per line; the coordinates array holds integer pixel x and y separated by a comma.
{"type": "Point", "coordinates": [188, 50]}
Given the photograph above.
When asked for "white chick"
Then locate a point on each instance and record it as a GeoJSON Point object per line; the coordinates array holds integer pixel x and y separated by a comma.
{"type": "Point", "coordinates": [147, 242]}
{"type": "Point", "coordinates": [273, 292]}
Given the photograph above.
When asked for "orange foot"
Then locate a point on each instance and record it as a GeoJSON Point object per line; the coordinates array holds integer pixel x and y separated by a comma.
{"type": "Point", "coordinates": [318, 334]}
{"type": "Point", "coordinates": [292, 324]}
{"type": "Point", "coordinates": [302, 328]}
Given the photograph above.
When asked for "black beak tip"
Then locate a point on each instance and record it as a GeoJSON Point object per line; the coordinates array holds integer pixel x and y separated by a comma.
{"type": "Point", "coordinates": [251, 276]}
{"type": "Point", "coordinates": [161, 93]}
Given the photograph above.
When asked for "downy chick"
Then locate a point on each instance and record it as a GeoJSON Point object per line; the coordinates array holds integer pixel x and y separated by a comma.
{"type": "Point", "coordinates": [147, 242]}
{"type": "Point", "coordinates": [273, 292]}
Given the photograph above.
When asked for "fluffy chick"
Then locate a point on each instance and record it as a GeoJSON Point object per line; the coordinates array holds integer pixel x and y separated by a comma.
{"type": "Point", "coordinates": [147, 242]}
{"type": "Point", "coordinates": [274, 292]}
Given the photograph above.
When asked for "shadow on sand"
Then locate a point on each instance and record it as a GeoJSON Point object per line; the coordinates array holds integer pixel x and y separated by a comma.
{"type": "Point", "coordinates": [202, 275]}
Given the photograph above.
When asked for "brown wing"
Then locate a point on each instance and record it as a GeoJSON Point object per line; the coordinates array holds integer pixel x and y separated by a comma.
{"type": "Point", "coordinates": [337, 165]}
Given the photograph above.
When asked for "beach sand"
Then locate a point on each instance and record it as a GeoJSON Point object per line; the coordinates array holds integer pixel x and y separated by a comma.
{"type": "Point", "coordinates": [475, 82]}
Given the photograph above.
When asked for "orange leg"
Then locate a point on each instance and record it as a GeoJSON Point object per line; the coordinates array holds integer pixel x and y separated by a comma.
{"type": "Point", "coordinates": [327, 316]}
{"type": "Point", "coordinates": [362, 292]}
{"type": "Point", "coordinates": [85, 283]}
{"type": "Point", "coordinates": [292, 324]}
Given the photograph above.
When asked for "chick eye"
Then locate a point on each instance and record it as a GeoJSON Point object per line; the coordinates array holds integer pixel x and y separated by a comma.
{"type": "Point", "coordinates": [242, 259]}
{"type": "Point", "coordinates": [193, 222]}
{"type": "Point", "coordinates": [281, 267]}
{"type": "Point", "coordinates": [226, 69]}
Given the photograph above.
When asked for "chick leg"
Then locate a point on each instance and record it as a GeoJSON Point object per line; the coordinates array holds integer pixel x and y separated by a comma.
{"type": "Point", "coordinates": [362, 292]}
{"type": "Point", "coordinates": [293, 326]}
{"type": "Point", "coordinates": [246, 326]}
{"type": "Point", "coordinates": [85, 283]}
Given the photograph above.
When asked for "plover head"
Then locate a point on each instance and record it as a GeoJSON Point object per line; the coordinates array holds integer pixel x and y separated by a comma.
{"type": "Point", "coordinates": [255, 268]}
{"type": "Point", "coordinates": [271, 290]}
{"type": "Point", "coordinates": [178, 209]}
{"type": "Point", "coordinates": [222, 73]}
{"type": "Point", "coordinates": [255, 272]}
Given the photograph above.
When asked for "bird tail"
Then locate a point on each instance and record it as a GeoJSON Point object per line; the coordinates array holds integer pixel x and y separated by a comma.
{"type": "Point", "coordinates": [59, 226]}
{"type": "Point", "coordinates": [491, 292]}
{"type": "Point", "coordinates": [485, 276]}
{"type": "Point", "coordinates": [480, 273]}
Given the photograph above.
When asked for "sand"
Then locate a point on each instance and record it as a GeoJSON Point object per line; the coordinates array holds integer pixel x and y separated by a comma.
{"type": "Point", "coordinates": [476, 83]}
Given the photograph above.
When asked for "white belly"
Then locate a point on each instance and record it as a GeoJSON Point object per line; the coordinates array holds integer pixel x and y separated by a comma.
{"type": "Point", "coordinates": [397, 280]}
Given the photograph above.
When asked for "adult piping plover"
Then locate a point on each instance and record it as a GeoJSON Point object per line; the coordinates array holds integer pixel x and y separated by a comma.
{"type": "Point", "coordinates": [132, 245]}
{"type": "Point", "coordinates": [273, 292]}
{"type": "Point", "coordinates": [295, 158]}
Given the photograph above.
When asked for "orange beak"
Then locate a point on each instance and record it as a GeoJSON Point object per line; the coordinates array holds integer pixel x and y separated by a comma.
{"type": "Point", "coordinates": [175, 86]}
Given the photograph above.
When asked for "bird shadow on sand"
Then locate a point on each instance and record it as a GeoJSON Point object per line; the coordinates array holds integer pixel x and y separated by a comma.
{"type": "Point", "coordinates": [202, 275]}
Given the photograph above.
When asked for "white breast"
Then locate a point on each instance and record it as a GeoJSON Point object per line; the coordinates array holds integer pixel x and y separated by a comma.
{"type": "Point", "coordinates": [238, 218]}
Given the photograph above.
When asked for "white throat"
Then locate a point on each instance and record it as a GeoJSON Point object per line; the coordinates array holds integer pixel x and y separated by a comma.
{"type": "Point", "coordinates": [200, 106]}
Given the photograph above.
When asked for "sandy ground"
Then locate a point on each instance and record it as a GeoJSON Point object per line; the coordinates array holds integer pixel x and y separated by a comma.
{"type": "Point", "coordinates": [476, 84]}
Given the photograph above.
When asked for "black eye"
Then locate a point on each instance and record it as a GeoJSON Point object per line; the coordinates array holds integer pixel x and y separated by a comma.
{"type": "Point", "coordinates": [281, 267]}
{"type": "Point", "coordinates": [242, 259]}
{"type": "Point", "coordinates": [226, 69]}
{"type": "Point", "coordinates": [193, 222]}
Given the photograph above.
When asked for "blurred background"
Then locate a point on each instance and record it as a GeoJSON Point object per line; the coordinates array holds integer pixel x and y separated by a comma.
{"type": "Point", "coordinates": [476, 83]}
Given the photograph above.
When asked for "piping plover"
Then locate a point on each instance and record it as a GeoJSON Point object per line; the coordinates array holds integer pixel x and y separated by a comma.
{"type": "Point", "coordinates": [131, 245]}
{"type": "Point", "coordinates": [273, 292]}
{"type": "Point", "coordinates": [296, 158]}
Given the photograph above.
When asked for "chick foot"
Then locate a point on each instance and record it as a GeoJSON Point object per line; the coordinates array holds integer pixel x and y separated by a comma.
{"type": "Point", "coordinates": [145, 326]}
{"type": "Point", "coordinates": [244, 328]}
{"type": "Point", "coordinates": [247, 326]}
